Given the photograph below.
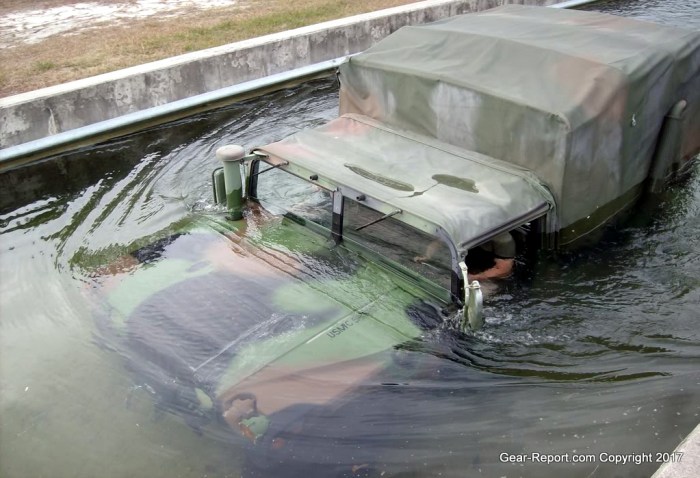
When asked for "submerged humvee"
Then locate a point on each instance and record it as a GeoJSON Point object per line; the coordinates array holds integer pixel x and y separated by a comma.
{"type": "Point", "coordinates": [541, 122]}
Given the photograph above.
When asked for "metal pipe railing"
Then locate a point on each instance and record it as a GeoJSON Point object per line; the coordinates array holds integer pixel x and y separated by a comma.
{"type": "Point", "coordinates": [21, 154]}
{"type": "Point", "coordinates": [572, 3]}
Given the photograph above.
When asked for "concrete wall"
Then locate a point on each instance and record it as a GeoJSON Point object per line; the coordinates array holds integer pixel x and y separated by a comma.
{"type": "Point", "coordinates": [37, 114]}
{"type": "Point", "coordinates": [685, 461]}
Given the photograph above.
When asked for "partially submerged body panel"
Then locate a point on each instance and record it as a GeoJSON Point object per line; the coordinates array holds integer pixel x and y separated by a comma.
{"type": "Point", "coordinates": [274, 312]}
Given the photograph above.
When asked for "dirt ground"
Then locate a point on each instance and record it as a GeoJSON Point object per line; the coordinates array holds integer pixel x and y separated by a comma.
{"type": "Point", "coordinates": [16, 5]}
{"type": "Point", "coordinates": [40, 20]}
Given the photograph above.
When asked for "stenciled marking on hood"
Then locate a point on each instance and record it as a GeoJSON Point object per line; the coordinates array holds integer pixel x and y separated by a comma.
{"type": "Point", "coordinates": [277, 325]}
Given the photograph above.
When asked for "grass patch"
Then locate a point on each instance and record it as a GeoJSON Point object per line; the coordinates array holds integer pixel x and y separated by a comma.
{"type": "Point", "coordinates": [41, 66]}
{"type": "Point", "coordinates": [70, 57]}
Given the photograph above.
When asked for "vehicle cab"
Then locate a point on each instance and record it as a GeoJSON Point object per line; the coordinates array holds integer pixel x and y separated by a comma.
{"type": "Point", "coordinates": [393, 192]}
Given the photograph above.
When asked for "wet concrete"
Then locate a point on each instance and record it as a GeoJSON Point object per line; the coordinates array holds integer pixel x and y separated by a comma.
{"type": "Point", "coordinates": [684, 461]}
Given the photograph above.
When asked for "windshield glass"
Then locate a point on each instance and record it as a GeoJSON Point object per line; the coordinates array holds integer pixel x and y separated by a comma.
{"type": "Point", "coordinates": [424, 254]}
{"type": "Point", "coordinates": [281, 193]}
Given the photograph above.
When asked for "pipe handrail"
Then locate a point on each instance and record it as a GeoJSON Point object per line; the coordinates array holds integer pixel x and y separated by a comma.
{"type": "Point", "coordinates": [17, 155]}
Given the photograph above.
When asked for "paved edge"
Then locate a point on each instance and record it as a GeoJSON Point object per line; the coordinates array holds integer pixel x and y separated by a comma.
{"type": "Point", "coordinates": [688, 465]}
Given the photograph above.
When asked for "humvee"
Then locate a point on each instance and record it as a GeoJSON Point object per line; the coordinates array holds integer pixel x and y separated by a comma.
{"type": "Point", "coordinates": [540, 122]}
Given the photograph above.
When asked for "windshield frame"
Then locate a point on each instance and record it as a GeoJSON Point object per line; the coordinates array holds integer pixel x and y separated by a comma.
{"type": "Point", "coordinates": [338, 194]}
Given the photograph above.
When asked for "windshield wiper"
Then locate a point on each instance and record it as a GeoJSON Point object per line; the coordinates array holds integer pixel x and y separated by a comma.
{"type": "Point", "coordinates": [385, 216]}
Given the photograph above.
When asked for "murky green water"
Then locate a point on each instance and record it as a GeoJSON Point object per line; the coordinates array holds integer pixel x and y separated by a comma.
{"type": "Point", "coordinates": [592, 353]}
{"type": "Point", "coordinates": [669, 12]}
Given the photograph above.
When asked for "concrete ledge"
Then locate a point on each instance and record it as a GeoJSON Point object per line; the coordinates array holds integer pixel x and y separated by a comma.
{"type": "Point", "coordinates": [686, 465]}
{"type": "Point", "coordinates": [37, 114]}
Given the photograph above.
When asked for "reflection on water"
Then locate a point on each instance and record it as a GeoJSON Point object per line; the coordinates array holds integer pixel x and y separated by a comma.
{"type": "Point", "coordinates": [588, 353]}
{"type": "Point", "coordinates": [675, 13]}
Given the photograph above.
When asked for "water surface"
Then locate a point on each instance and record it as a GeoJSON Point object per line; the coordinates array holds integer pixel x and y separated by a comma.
{"type": "Point", "coordinates": [595, 352]}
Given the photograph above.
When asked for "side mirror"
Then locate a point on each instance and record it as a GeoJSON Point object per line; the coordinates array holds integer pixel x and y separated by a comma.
{"type": "Point", "coordinates": [473, 312]}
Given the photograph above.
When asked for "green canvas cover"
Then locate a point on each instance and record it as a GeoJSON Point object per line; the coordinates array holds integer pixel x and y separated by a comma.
{"type": "Point", "coordinates": [576, 97]}
{"type": "Point", "coordinates": [468, 195]}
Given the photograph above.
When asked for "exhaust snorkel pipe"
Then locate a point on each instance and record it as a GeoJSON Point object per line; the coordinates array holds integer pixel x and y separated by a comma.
{"type": "Point", "coordinates": [227, 182]}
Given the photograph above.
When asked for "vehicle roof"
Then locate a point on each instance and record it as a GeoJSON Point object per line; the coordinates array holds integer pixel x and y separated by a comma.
{"type": "Point", "coordinates": [577, 97]}
{"type": "Point", "coordinates": [436, 186]}
{"type": "Point", "coordinates": [483, 51]}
